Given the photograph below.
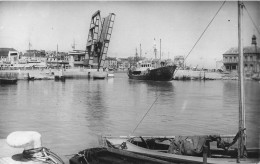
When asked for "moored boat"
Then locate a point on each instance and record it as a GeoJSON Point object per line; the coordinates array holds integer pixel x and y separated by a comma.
{"type": "Point", "coordinates": [183, 149]}
{"type": "Point", "coordinates": [8, 80]}
{"type": "Point", "coordinates": [147, 71]}
{"type": "Point", "coordinates": [99, 75]}
{"type": "Point", "coordinates": [110, 155]}
{"type": "Point", "coordinates": [110, 73]}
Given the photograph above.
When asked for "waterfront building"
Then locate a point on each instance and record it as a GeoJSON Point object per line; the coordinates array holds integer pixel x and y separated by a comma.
{"type": "Point", "coordinates": [110, 63]}
{"type": "Point", "coordinates": [251, 58]}
{"type": "Point", "coordinates": [77, 58]}
{"type": "Point", "coordinates": [57, 59]}
{"type": "Point", "coordinates": [8, 56]}
{"type": "Point", "coordinates": [33, 56]}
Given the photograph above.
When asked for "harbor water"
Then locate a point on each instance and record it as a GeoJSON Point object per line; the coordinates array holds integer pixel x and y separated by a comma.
{"type": "Point", "coordinates": [71, 115]}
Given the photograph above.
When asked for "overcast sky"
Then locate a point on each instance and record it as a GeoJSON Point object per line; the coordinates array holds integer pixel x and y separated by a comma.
{"type": "Point", "coordinates": [177, 24]}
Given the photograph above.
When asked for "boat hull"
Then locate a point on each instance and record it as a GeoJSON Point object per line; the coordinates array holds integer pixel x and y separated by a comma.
{"type": "Point", "coordinates": [158, 74]}
{"type": "Point", "coordinates": [99, 75]}
{"type": "Point", "coordinates": [8, 81]}
{"type": "Point", "coordinates": [110, 155]}
{"type": "Point", "coordinates": [122, 144]}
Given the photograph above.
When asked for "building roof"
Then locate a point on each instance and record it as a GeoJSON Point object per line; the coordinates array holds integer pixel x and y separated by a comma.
{"type": "Point", "coordinates": [5, 51]}
{"type": "Point", "coordinates": [246, 50]}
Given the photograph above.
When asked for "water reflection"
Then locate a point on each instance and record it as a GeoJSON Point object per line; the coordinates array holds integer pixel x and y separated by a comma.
{"type": "Point", "coordinates": [96, 108]}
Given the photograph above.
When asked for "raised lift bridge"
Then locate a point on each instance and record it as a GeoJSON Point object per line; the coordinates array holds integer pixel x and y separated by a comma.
{"type": "Point", "coordinates": [98, 39]}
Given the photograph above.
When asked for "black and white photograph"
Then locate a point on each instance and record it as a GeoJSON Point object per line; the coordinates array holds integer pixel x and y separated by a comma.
{"type": "Point", "coordinates": [131, 82]}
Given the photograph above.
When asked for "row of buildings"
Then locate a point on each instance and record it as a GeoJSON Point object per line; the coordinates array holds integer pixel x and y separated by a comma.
{"type": "Point", "coordinates": [10, 57]}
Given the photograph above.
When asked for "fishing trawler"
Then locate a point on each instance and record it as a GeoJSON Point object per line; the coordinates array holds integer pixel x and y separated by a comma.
{"type": "Point", "coordinates": [156, 70]}
{"type": "Point", "coordinates": [148, 71]}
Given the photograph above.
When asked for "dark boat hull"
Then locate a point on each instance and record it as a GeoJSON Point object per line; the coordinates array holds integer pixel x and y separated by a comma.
{"type": "Point", "coordinates": [110, 155]}
{"type": "Point", "coordinates": [8, 81]}
{"type": "Point", "coordinates": [158, 74]}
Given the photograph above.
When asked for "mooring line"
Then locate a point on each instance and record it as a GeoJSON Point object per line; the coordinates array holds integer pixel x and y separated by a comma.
{"type": "Point", "coordinates": [146, 113]}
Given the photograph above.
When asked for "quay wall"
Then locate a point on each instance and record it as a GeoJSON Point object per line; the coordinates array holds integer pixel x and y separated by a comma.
{"type": "Point", "coordinates": [14, 74]}
{"type": "Point", "coordinates": [78, 73]}
{"type": "Point", "coordinates": [47, 74]}
{"type": "Point", "coordinates": [201, 75]}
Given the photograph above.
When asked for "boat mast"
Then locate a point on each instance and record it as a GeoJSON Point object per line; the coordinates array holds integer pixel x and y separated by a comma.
{"type": "Point", "coordinates": [140, 51]}
{"type": "Point", "coordinates": [136, 55]}
{"type": "Point", "coordinates": [160, 50]}
{"type": "Point", "coordinates": [29, 48]}
{"type": "Point", "coordinates": [242, 138]}
{"type": "Point", "coordinates": [155, 50]}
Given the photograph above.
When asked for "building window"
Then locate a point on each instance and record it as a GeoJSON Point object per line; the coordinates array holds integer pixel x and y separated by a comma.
{"type": "Point", "coordinates": [251, 58]}
{"type": "Point", "coordinates": [227, 67]}
{"type": "Point", "coordinates": [234, 67]}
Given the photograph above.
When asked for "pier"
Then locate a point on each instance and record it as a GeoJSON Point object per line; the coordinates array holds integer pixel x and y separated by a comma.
{"type": "Point", "coordinates": [48, 74]}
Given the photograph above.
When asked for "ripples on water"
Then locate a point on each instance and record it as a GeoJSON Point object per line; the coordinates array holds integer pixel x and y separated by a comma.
{"type": "Point", "coordinates": [71, 115]}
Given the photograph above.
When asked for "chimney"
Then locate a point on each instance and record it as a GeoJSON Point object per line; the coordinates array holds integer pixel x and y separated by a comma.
{"type": "Point", "coordinates": [254, 40]}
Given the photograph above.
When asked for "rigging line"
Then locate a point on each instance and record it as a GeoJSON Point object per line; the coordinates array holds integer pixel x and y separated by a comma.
{"type": "Point", "coordinates": [203, 32]}
{"type": "Point", "coordinates": [146, 113]}
{"type": "Point", "coordinates": [252, 19]}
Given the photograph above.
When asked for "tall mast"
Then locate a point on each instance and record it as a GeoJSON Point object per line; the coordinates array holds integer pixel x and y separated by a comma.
{"type": "Point", "coordinates": [136, 55]}
{"type": "Point", "coordinates": [155, 50]}
{"type": "Point", "coordinates": [140, 51]}
{"type": "Point", "coordinates": [242, 138]}
{"type": "Point", "coordinates": [29, 48]}
{"type": "Point", "coordinates": [160, 50]}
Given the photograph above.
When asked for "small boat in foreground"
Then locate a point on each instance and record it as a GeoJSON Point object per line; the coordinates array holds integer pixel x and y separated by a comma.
{"type": "Point", "coordinates": [8, 80]}
{"type": "Point", "coordinates": [182, 149]}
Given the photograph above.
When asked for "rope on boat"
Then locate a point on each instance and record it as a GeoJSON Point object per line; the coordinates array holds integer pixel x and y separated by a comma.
{"type": "Point", "coordinates": [202, 33]}
{"type": "Point", "coordinates": [42, 154]}
{"type": "Point", "coordinates": [146, 113]}
{"type": "Point", "coordinates": [251, 19]}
